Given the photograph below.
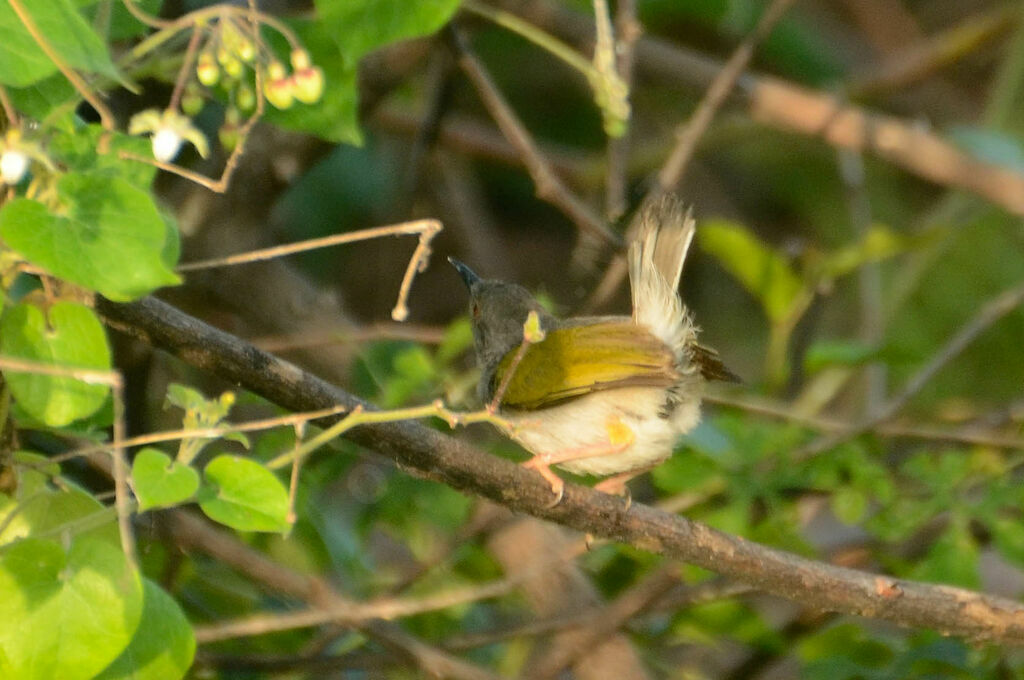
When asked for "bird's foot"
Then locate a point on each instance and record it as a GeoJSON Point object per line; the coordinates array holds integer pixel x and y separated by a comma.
{"type": "Point", "coordinates": [542, 466]}
{"type": "Point", "coordinates": [616, 486]}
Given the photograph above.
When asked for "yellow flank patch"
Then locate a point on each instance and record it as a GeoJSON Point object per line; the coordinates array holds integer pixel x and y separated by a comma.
{"type": "Point", "coordinates": [619, 434]}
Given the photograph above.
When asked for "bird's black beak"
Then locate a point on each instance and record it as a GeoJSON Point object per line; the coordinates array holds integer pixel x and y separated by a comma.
{"type": "Point", "coordinates": [468, 275]}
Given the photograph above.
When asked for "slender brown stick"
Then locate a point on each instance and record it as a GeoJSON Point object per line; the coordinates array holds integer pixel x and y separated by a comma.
{"type": "Point", "coordinates": [427, 229]}
{"type": "Point", "coordinates": [690, 133]}
{"type": "Point", "coordinates": [351, 613]}
{"type": "Point", "coordinates": [994, 310]}
{"type": "Point", "coordinates": [788, 412]}
{"type": "Point", "coordinates": [817, 585]}
{"type": "Point", "coordinates": [549, 187]}
{"type": "Point", "coordinates": [627, 30]}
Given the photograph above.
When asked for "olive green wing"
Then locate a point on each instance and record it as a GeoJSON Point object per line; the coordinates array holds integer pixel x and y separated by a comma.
{"type": "Point", "coordinates": [578, 360]}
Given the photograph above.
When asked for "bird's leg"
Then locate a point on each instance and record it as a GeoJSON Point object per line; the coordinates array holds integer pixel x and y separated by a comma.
{"type": "Point", "coordinates": [620, 438]}
{"type": "Point", "coordinates": [616, 484]}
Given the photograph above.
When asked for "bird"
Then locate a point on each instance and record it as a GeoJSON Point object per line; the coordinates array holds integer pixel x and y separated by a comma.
{"type": "Point", "coordinates": [599, 395]}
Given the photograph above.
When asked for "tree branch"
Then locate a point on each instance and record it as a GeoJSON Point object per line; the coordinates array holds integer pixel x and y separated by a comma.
{"type": "Point", "coordinates": [427, 453]}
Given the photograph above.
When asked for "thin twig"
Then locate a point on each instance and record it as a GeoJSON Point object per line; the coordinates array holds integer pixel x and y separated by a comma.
{"type": "Point", "coordinates": [909, 430]}
{"type": "Point", "coordinates": [628, 30]}
{"type": "Point", "coordinates": [869, 277]}
{"type": "Point", "coordinates": [122, 495]}
{"type": "Point", "coordinates": [423, 334]}
{"type": "Point", "coordinates": [690, 133]}
{"type": "Point", "coordinates": [427, 229]}
{"type": "Point", "coordinates": [926, 56]}
{"type": "Point", "coordinates": [197, 433]}
{"type": "Point", "coordinates": [549, 187]}
{"type": "Point", "coordinates": [354, 612]}
{"type": "Point", "coordinates": [994, 310]}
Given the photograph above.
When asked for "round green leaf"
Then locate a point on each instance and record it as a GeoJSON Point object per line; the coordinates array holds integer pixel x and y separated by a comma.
{"type": "Point", "coordinates": [65, 614]}
{"type": "Point", "coordinates": [163, 648]}
{"type": "Point", "coordinates": [72, 336]}
{"type": "Point", "coordinates": [161, 482]}
{"type": "Point", "coordinates": [245, 495]}
{"type": "Point", "coordinates": [109, 236]}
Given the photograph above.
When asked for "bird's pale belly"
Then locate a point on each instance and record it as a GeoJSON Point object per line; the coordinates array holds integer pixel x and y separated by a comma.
{"type": "Point", "coordinates": [612, 431]}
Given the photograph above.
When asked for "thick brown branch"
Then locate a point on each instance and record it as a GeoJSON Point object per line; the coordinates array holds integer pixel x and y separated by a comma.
{"type": "Point", "coordinates": [428, 453]}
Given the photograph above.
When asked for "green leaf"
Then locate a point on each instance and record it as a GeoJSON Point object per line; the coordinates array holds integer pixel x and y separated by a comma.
{"type": "Point", "coordinates": [110, 237]}
{"type": "Point", "coordinates": [76, 146]}
{"type": "Point", "coordinates": [23, 62]}
{"type": "Point", "coordinates": [40, 99]}
{"type": "Point", "coordinates": [360, 26]}
{"type": "Point", "coordinates": [248, 497]}
{"type": "Point", "coordinates": [163, 648]}
{"type": "Point", "coordinates": [763, 272]}
{"type": "Point", "coordinates": [71, 336]}
{"type": "Point", "coordinates": [66, 615]}
{"type": "Point", "coordinates": [160, 482]}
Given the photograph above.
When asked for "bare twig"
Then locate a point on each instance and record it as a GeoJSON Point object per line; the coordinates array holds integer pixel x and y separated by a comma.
{"type": "Point", "coordinates": [935, 52]}
{"type": "Point", "coordinates": [994, 310]}
{"type": "Point", "coordinates": [628, 30]}
{"type": "Point", "coordinates": [549, 187]}
{"type": "Point", "coordinates": [426, 229]}
{"type": "Point", "coordinates": [351, 613]}
{"type": "Point", "coordinates": [976, 616]}
{"type": "Point", "coordinates": [908, 430]}
{"type": "Point", "coordinates": [869, 277]}
{"type": "Point", "coordinates": [690, 133]}
{"type": "Point", "coordinates": [423, 334]}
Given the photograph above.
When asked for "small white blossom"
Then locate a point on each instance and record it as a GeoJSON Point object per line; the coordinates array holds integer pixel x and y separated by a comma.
{"type": "Point", "coordinates": [13, 166]}
{"type": "Point", "coordinates": [166, 145]}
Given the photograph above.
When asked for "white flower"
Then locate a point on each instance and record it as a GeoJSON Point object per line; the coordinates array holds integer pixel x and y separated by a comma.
{"type": "Point", "coordinates": [13, 166]}
{"type": "Point", "coordinates": [166, 145]}
{"type": "Point", "coordinates": [170, 129]}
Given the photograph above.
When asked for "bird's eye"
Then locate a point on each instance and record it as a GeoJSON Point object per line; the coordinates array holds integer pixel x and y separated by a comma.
{"type": "Point", "coordinates": [474, 309]}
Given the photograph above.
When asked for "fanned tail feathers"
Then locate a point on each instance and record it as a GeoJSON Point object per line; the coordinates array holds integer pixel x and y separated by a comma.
{"type": "Point", "coordinates": [655, 266]}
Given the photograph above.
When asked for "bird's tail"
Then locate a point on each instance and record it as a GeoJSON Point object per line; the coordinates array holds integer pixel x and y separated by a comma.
{"type": "Point", "coordinates": [655, 267]}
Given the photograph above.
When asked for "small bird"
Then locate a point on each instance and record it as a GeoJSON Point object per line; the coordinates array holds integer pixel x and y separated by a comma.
{"type": "Point", "coordinates": [608, 395]}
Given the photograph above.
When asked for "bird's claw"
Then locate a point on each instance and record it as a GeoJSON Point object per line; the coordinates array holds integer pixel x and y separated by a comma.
{"type": "Point", "coordinates": [557, 483]}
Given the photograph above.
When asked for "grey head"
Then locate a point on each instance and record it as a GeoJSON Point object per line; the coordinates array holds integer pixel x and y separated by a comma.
{"type": "Point", "coordinates": [498, 310]}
